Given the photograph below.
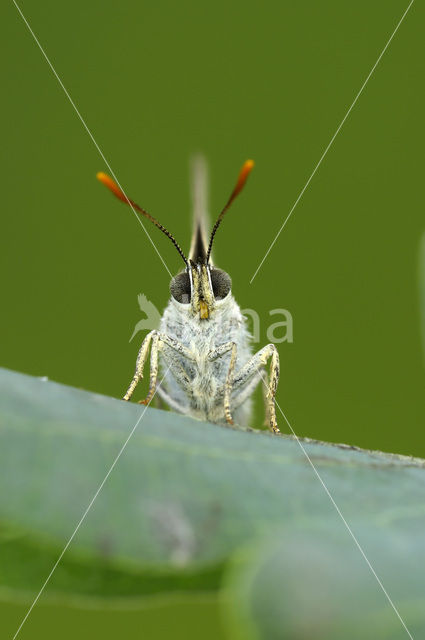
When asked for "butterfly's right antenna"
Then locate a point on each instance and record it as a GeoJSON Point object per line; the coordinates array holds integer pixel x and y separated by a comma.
{"type": "Point", "coordinates": [112, 186]}
{"type": "Point", "coordinates": [243, 175]}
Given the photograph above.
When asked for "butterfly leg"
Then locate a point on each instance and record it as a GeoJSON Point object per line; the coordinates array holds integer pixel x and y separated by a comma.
{"type": "Point", "coordinates": [156, 340]}
{"type": "Point", "coordinates": [140, 363]}
{"type": "Point", "coordinates": [251, 370]}
{"type": "Point", "coordinates": [264, 388]}
{"type": "Point", "coordinates": [217, 353]}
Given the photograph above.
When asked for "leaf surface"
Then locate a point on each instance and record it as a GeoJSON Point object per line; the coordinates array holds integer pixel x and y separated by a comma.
{"type": "Point", "coordinates": [183, 497]}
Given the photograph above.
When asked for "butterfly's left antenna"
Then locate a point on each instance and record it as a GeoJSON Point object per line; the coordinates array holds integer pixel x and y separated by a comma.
{"type": "Point", "coordinates": [112, 186]}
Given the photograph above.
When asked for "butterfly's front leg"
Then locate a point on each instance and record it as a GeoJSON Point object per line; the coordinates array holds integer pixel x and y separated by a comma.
{"type": "Point", "coordinates": [140, 363]}
{"type": "Point", "coordinates": [217, 353]}
{"type": "Point", "coordinates": [157, 340]}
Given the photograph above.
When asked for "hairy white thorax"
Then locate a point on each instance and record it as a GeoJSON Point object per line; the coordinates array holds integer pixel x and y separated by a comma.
{"type": "Point", "coordinates": [203, 397]}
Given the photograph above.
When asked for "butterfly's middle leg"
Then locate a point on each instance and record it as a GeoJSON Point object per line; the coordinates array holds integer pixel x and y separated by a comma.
{"type": "Point", "coordinates": [254, 369]}
{"type": "Point", "coordinates": [248, 377]}
{"type": "Point", "coordinates": [247, 374]}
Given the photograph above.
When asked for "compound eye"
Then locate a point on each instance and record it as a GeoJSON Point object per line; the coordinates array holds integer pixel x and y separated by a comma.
{"type": "Point", "coordinates": [221, 283]}
{"type": "Point", "coordinates": [180, 287]}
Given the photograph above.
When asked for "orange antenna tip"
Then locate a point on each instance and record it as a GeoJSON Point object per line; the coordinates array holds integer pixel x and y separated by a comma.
{"type": "Point", "coordinates": [247, 167]}
{"type": "Point", "coordinates": [118, 192]}
{"type": "Point", "coordinates": [112, 185]}
{"type": "Point", "coordinates": [243, 175]}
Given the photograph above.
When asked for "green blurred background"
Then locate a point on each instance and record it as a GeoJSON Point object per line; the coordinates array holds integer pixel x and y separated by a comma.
{"type": "Point", "coordinates": [156, 82]}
